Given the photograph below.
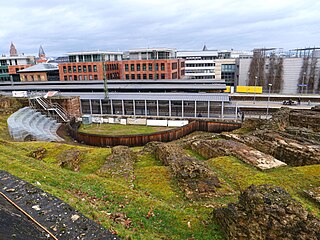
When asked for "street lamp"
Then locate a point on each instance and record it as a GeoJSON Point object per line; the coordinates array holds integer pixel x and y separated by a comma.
{"type": "Point", "coordinates": [255, 86]}
{"type": "Point", "coordinates": [270, 85]}
{"type": "Point", "coordinates": [303, 76]}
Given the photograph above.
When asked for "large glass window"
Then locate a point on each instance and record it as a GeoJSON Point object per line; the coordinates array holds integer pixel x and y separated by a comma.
{"type": "Point", "coordinates": [132, 67]}
{"type": "Point", "coordinates": [126, 67]}
{"type": "Point", "coordinates": [95, 68]}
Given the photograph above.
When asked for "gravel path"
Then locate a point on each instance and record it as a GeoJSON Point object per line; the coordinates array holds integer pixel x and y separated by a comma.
{"type": "Point", "coordinates": [59, 218]}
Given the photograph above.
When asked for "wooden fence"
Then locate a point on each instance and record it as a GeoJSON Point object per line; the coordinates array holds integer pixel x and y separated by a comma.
{"type": "Point", "coordinates": [142, 139]}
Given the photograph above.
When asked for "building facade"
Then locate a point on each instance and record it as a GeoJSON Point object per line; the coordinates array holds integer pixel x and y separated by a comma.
{"type": "Point", "coordinates": [39, 73]}
{"type": "Point", "coordinates": [152, 63]}
{"type": "Point", "coordinates": [91, 66]}
{"type": "Point", "coordinates": [284, 74]}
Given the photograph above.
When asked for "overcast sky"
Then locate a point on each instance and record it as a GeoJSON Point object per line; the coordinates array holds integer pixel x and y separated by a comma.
{"type": "Point", "coordinates": [72, 25]}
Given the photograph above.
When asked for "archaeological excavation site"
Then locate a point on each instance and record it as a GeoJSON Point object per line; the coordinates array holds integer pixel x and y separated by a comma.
{"type": "Point", "coordinates": [256, 179]}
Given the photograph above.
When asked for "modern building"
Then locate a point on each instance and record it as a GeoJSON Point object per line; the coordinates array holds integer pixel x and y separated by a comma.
{"type": "Point", "coordinates": [152, 63]}
{"type": "Point", "coordinates": [40, 72]}
{"type": "Point", "coordinates": [95, 65]}
{"type": "Point", "coordinates": [295, 73]}
{"type": "Point", "coordinates": [212, 64]}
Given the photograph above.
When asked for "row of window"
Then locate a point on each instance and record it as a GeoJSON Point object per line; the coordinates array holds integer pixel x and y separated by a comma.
{"type": "Point", "coordinates": [80, 77]}
{"type": "Point", "coordinates": [201, 64]}
{"type": "Point", "coordinates": [149, 76]}
{"type": "Point", "coordinates": [31, 77]}
{"type": "Point", "coordinates": [137, 67]}
{"type": "Point", "coordinates": [80, 69]}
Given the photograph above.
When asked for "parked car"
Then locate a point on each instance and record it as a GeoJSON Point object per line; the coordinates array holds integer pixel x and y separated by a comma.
{"type": "Point", "coordinates": [289, 102]}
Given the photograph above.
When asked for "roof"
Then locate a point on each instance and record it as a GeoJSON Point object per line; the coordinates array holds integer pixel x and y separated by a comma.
{"type": "Point", "coordinates": [151, 50]}
{"type": "Point", "coordinates": [41, 67]}
{"type": "Point", "coordinates": [213, 97]}
{"type": "Point", "coordinates": [93, 52]}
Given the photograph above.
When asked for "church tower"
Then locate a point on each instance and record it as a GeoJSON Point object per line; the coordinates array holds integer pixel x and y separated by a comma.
{"type": "Point", "coordinates": [42, 54]}
{"type": "Point", "coordinates": [13, 50]}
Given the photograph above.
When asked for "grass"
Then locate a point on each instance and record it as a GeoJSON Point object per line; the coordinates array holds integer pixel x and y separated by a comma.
{"type": "Point", "coordinates": [118, 129]}
{"type": "Point", "coordinates": [154, 203]}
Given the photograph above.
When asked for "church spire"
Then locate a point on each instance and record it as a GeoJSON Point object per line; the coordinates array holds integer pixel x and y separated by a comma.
{"type": "Point", "coordinates": [13, 50]}
{"type": "Point", "coordinates": [41, 52]}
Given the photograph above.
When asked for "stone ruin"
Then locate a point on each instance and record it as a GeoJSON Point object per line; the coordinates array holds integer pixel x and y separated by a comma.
{"type": "Point", "coordinates": [267, 212]}
{"type": "Point", "coordinates": [194, 177]}
{"type": "Point", "coordinates": [119, 164]}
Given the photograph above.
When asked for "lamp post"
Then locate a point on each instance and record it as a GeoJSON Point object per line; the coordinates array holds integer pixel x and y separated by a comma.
{"type": "Point", "coordinates": [270, 85]}
{"type": "Point", "coordinates": [303, 77]}
{"type": "Point", "coordinates": [255, 85]}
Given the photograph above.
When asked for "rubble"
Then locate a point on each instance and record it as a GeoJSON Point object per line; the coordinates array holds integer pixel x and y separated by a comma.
{"type": "Point", "coordinates": [196, 179]}
{"type": "Point", "coordinates": [314, 194]}
{"type": "Point", "coordinates": [267, 212]}
{"type": "Point", "coordinates": [70, 159]}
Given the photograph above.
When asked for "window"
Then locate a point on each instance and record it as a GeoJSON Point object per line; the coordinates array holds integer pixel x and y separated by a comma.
{"type": "Point", "coordinates": [69, 69]}
{"type": "Point", "coordinates": [65, 78]}
{"type": "Point", "coordinates": [127, 76]}
{"type": "Point", "coordinates": [39, 78]}
{"type": "Point", "coordinates": [150, 76]}
{"type": "Point", "coordinates": [157, 66]}
{"type": "Point", "coordinates": [64, 69]}
{"type": "Point", "coordinates": [74, 69]}
{"type": "Point", "coordinates": [133, 76]}
{"type": "Point", "coordinates": [87, 58]}
{"type": "Point", "coordinates": [89, 68]}
{"type": "Point", "coordinates": [163, 76]}
{"type": "Point", "coordinates": [126, 67]}
{"type": "Point", "coordinates": [72, 59]}
{"type": "Point", "coordinates": [90, 76]}
{"type": "Point", "coordinates": [157, 76]}
{"type": "Point", "coordinates": [162, 67]}
{"type": "Point", "coordinates": [84, 68]}
{"type": "Point", "coordinates": [85, 77]}
{"type": "Point", "coordinates": [75, 77]}
{"type": "Point", "coordinates": [150, 66]}
{"type": "Point", "coordinates": [182, 64]}
{"type": "Point", "coordinates": [174, 75]}
{"type": "Point", "coordinates": [96, 58]}
{"type": "Point", "coordinates": [144, 76]}
{"type": "Point", "coordinates": [79, 69]}
{"type": "Point", "coordinates": [80, 58]}
{"type": "Point", "coordinates": [95, 68]}
{"type": "Point", "coordinates": [138, 67]}
{"type": "Point", "coordinates": [80, 77]}
{"type": "Point", "coordinates": [138, 76]}
{"type": "Point", "coordinates": [132, 67]}
{"type": "Point", "coordinates": [70, 78]}
{"type": "Point", "coordinates": [144, 67]}
{"type": "Point", "coordinates": [174, 66]}
{"type": "Point", "coordinates": [95, 77]}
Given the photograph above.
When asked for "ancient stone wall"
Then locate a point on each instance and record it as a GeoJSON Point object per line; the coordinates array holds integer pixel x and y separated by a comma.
{"type": "Point", "coordinates": [267, 212]}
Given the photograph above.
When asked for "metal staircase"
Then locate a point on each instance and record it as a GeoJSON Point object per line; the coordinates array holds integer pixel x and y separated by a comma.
{"type": "Point", "coordinates": [53, 110]}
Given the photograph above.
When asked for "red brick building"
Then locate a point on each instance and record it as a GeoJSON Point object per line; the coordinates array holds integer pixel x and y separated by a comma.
{"type": "Point", "coordinates": [89, 66]}
{"type": "Point", "coordinates": [152, 69]}
{"type": "Point", "coordinates": [139, 64]}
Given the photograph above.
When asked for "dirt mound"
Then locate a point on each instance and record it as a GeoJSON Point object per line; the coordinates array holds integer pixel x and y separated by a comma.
{"type": "Point", "coordinates": [267, 212]}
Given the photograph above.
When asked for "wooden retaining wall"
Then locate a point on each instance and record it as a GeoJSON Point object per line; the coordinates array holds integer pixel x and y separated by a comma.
{"type": "Point", "coordinates": [142, 139]}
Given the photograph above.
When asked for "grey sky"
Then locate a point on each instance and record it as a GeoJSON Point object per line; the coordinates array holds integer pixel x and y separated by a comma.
{"type": "Point", "coordinates": [72, 25]}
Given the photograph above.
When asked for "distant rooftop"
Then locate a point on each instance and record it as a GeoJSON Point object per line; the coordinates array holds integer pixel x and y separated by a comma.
{"type": "Point", "coordinates": [92, 52]}
{"type": "Point", "coordinates": [151, 50]}
{"type": "Point", "coordinates": [41, 67]}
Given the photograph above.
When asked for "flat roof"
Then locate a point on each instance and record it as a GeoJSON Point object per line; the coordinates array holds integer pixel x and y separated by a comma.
{"type": "Point", "coordinates": [93, 52]}
{"type": "Point", "coordinates": [151, 50]}
{"type": "Point", "coordinates": [214, 97]}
